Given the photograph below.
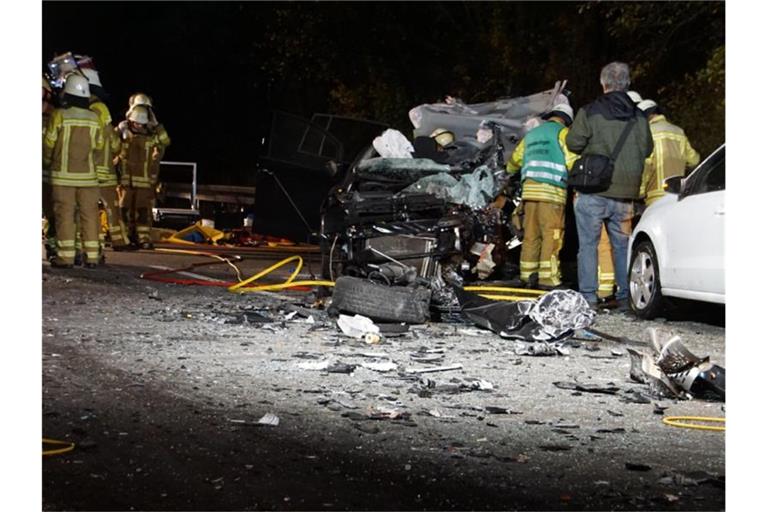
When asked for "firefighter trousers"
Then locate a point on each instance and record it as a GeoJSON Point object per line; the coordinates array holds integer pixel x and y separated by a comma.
{"type": "Point", "coordinates": [83, 202]}
{"type": "Point", "coordinates": [49, 232]}
{"type": "Point", "coordinates": [606, 278]}
{"type": "Point", "coordinates": [543, 225]}
{"type": "Point", "coordinates": [137, 211]}
{"type": "Point", "coordinates": [118, 232]}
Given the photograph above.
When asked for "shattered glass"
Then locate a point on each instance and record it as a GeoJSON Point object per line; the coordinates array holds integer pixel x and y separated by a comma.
{"type": "Point", "coordinates": [475, 190]}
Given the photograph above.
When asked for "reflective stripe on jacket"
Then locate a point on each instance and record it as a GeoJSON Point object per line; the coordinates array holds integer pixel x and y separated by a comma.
{"type": "Point", "coordinates": [136, 160]}
{"type": "Point", "coordinates": [72, 137]}
{"type": "Point", "coordinates": [105, 171]}
{"type": "Point", "coordinates": [672, 154]}
{"type": "Point", "coordinates": [537, 189]}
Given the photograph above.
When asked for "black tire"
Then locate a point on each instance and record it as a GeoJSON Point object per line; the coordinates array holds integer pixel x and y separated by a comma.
{"type": "Point", "coordinates": [645, 297]}
{"type": "Point", "coordinates": [380, 302]}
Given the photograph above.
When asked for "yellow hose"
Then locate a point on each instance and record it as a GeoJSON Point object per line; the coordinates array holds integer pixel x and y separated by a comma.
{"type": "Point", "coordinates": [514, 294]}
{"type": "Point", "coordinates": [288, 283]}
{"type": "Point", "coordinates": [506, 289]}
{"type": "Point", "coordinates": [68, 447]}
{"type": "Point", "coordinates": [682, 422]}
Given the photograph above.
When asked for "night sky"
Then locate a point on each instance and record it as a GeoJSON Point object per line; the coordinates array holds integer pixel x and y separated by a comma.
{"type": "Point", "coordinates": [216, 70]}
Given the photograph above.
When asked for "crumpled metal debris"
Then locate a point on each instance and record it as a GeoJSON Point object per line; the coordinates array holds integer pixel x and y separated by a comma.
{"type": "Point", "coordinates": [672, 371]}
{"type": "Point", "coordinates": [541, 349]}
{"type": "Point", "coordinates": [553, 317]}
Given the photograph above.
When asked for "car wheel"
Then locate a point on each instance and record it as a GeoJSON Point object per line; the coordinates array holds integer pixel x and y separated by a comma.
{"type": "Point", "coordinates": [644, 286]}
{"type": "Point", "coordinates": [380, 302]}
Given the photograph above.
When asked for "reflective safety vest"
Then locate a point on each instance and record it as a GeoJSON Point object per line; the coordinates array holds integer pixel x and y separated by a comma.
{"type": "Point", "coordinates": [72, 137]}
{"type": "Point", "coordinates": [672, 153]}
{"type": "Point", "coordinates": [538, 188]}
{"type": "Point", "coordinates": [105, 171]}
{"type": "Point", "coordinates": [543, 159]}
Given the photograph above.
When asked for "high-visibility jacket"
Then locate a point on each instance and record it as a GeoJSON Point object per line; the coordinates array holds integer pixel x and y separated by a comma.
{"type": "Point", "coordinates": [136, 159]}
{"type": "Point", "coordinates": [554, 161]}
{"type": "Point", "coordinates": [46, 171]}
{"type": "Point", "coordinates": [105, 171]}
{"type": "Point", "coordinates": [72, 137]}
{"type": "Point", "coordinates": [672, 154]}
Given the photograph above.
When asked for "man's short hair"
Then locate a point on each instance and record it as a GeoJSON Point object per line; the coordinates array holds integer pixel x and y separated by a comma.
{"type": "Point", "coordinates": [615, 77]}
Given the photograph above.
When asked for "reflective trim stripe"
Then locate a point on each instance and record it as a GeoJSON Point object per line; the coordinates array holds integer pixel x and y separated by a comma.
{"type": "Point", "coordinates": [91, 244]}
{"type": "Point", "coordinates": [545, 164]}
{"type": "Point", "coordinates": [545, 274]}
{"type": "Point", "coordinates": [535, 191]}
{"type": "Point", "coordinates": [529, 264]}
{"type": "Point", "coordinates": [545, 264]}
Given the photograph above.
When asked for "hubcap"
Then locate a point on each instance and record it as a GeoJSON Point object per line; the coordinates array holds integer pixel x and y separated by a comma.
{"type": "Point", "coordinates": [642, 280]}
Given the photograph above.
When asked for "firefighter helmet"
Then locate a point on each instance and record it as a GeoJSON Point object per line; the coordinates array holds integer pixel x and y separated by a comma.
{"type": "Point", "coordinates": [561, 110]}
{"type": "Point", "coordinates": [77, 85]}
{"type": "Point", "coordinates": [139, 99]}
{"type": "Point", "coordinates": [443, 137]}
{"type": "Point", "coordinates": [139, 114]}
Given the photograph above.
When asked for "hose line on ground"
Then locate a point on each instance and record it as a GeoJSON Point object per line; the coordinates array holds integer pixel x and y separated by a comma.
{"type": "Point", "coordinates": [245, 285]}
{"type": "Point", "coordinates": [684, 422]}
{"type": "Point", "coordinates": [68, 447]}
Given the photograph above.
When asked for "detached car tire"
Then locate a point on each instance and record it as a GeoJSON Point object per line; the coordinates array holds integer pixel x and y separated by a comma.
{"type": "Point", "coordinates": [645, 296]}
{"type": "Point", "coordinates": [380, 302]}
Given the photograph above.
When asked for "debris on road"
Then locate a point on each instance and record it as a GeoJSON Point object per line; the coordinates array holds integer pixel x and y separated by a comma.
{"type": "Point", "coordinates": [672, 371]}
{"type": "Point", "coordinates": [435, 369]}
{"type": "Point", "coordinates": [269, 419]}
{"type": "Point", "coordinates": [357, 326]}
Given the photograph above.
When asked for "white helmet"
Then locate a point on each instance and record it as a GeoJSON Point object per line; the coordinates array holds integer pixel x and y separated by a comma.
{"type": "Point", "coordinates": [139, 99]}
{"type": "Point", "coordinates": [646, 105]}
{"type": "Point", "coordinates": [635, 96]}
{"type": "Point", "coordinates": [443, 136]}
{"type": "Point", "coordinates": [77, 85]}
{"type": "Point", "coordinates": [93, 76]}
{"type": "Point", "coordinates": [563, 110]}
{"type": "Point", "coordinates": [139, 114]}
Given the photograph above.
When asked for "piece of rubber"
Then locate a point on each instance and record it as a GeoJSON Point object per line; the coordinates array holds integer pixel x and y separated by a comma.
{"type": "Point", "coordinates": [380, 302]}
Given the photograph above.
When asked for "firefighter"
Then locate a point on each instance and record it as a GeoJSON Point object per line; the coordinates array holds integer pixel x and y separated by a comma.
{"type": "Point", "coordinates": [672, 153]}
{"type": "Point", "coordinates": [105, 170]}
{"type": "Point", "coordinates": [49, 229]}
{"type": "Point", "coordinates": [140, 149]}
{"type": "Point", "coordinates": [72, 139]}
{"type": "Point", "coordinates": [545, 160]}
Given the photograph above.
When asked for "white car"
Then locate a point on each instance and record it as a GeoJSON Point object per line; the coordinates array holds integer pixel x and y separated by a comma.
{"type": "Point", "coordinates": [677, 249]}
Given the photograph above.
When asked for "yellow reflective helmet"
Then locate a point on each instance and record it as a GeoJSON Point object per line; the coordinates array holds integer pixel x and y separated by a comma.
{"type": "Point", "coordinates": [139, 114]}
{"type": "Point", "coordinates": [77, 85]}
{"type": "Point", "coordinates": [139, 99]}
{"type": "Point", "coordinates": [443, 136]}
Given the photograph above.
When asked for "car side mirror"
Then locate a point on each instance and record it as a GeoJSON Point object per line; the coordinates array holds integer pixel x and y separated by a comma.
{"type": "Point", "coordinates": [673, 185]}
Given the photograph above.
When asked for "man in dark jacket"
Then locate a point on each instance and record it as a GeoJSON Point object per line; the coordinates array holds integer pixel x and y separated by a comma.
{"type": "Point", "coordinates": [596, 130]}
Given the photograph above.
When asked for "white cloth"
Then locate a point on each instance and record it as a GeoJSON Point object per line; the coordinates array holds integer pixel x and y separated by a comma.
{"type": "Point", "coordinates": [393, 144]}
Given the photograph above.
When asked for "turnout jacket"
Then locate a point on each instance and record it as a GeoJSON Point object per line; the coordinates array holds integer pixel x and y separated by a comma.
{"type": "Point", "coordinates": [105, 171]}
{"type": "Point", "coordinates": [597, 129]}
{"type": "Point", "coordinates": [72, 138]}
{"type": "Point", "coordinates": [545, 161]}
{"type": "Point", "coordinates": [672, 154]}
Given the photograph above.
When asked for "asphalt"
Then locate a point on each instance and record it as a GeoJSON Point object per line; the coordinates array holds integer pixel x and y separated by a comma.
{"type": "Point", "coordinates": [161, 387]}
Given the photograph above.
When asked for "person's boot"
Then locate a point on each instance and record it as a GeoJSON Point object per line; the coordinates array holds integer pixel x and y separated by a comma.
{"type": "Point", "coordinates": [57, 262]}
{"type": "Point", "coordinates": [147, 245]}
{"type": "Point", "coordinates": [78, 259]}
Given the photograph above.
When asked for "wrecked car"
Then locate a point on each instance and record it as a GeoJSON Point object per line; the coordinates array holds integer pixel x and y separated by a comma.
{"type": "Point", "coordinates": [430, 217]}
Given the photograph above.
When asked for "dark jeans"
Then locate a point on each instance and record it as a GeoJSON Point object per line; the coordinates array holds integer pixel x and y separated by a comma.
{"type": "Point", "coordinates": [591, 211]}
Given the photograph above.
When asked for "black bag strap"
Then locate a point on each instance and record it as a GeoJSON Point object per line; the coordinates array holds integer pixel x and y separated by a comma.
{"type": "Point", "coordinates": [622, 139]}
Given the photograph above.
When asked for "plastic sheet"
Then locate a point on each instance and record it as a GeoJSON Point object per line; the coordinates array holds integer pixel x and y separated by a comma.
{"type": "Point", "coordinates": [393, 144]}
{"type": "Point", "coordinates": [554, 316]}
